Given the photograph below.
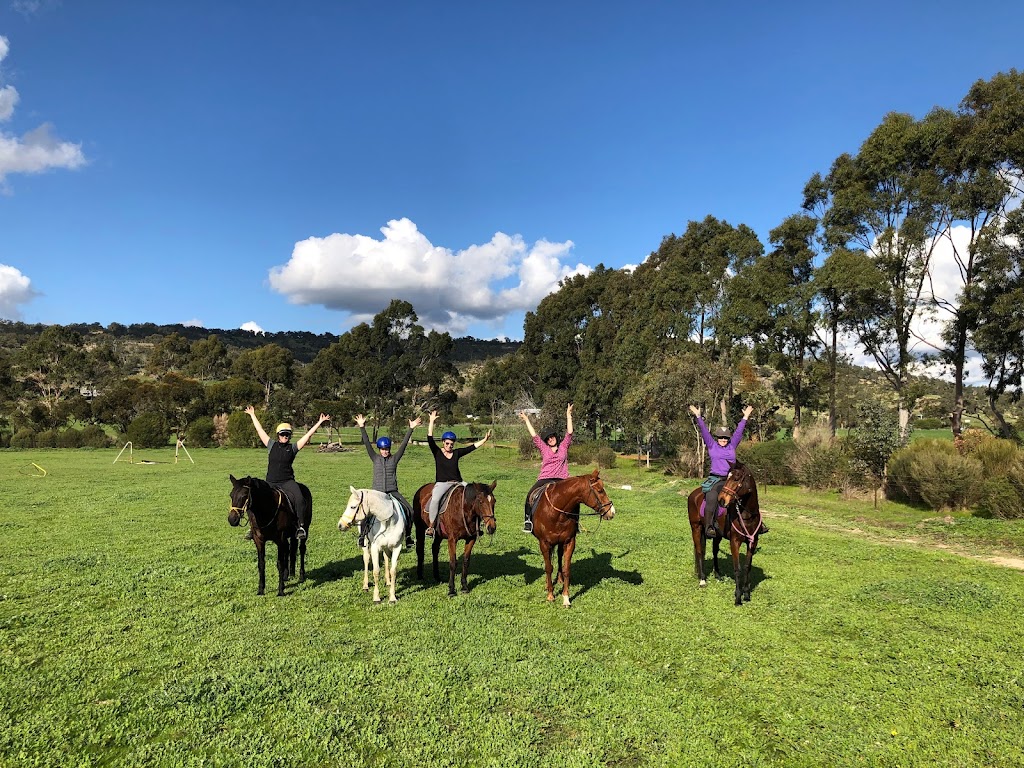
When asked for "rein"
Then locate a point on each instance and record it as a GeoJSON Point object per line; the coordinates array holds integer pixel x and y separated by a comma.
{"type": "Point", "coordinates": [245, 514]}
{"type": "Point", "coordinates": [599, 510]}
{"type": "Point", "coordinates": [743, 531]}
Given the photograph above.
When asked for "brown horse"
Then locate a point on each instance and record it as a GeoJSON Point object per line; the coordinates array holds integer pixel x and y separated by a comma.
{"type": "Point", "coordinates": [556, 521]}
{"type": "Point", "coordinates": [739, 515]}
{"type": "Point", "coordinates": [468, 513]}
{"type": "Point", "coordinates": [270, 518]}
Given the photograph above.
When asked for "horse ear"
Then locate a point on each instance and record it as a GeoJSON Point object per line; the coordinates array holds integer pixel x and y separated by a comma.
{"type": "Point", "coordinates": [494, 485]}
{"type": "Point", "coordinates": [353, 489]}
{"type": "Point", "coordinates": [595, 473]}
{"type": "Point", "coordinates": [233, 480]}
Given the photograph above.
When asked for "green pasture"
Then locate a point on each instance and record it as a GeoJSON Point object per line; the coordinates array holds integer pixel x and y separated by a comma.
{"type": "Point", "coordinates": [131, 632]}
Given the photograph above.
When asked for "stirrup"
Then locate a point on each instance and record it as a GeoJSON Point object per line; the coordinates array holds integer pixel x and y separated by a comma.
{"type": "Point", "coordinates": [528, 526]}
{"type": "Point", "coordinates": [300, 533]}
{"type": "Point", "coordinates": [430, 532]}
{"type": "Point", "coordinates": [711, 532]}
{"type": "Point", "coordinates": [361, 541]}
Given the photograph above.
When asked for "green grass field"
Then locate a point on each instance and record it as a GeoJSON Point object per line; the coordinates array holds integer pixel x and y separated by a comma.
{"type": "Point", "coordinates": [131, 632]}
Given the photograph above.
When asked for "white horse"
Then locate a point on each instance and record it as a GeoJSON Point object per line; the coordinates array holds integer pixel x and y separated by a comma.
{"type": "Point", "coordinates": [386, 533]}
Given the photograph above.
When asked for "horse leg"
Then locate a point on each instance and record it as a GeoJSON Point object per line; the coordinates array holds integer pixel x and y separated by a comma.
{"type": "Point", "coordinates": [566, 563]}
{"type": "Point", "coordinates": [556, 565]}
{"type": "Point", "coordinates": [466, 551]}
{"type": "Point", "coordinates": [261, 562]}
{"type": "Point", "coordinates": [302, 561]}
{"type": "Point", "coordinates": [751, 548]}
{"type": "Point", "coordinates": [376, 573]}
{"type": "Point", "coordinates": [393, 573]}
{"type": "Point", "coordinates": [293, 551]}
{"type": "Point", "coordinates": [420, 546]}
{"type": "Point", "coordinates": [697, 534]}
{"type": "Point", "coordinates": [545, 550]}
{"type": "Point", "coordinates": [737, 568]}
{"type": "Point", "coordinates": [282, 566]}
{"type": "Point", "coordinates": [452, 553]}
{"type": "Point", "coordinates": [366, 568]}
{"type": "Point", "coordinates": [716, 544]}
{"type": "Point", "coordinates": [435, 548]}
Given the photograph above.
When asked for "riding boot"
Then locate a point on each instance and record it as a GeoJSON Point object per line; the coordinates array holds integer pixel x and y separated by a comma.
{"type": "Point", "coordinates": [409, 541]}
{"type": "Point", "coordinates": [300, 530]}
{"type": "Point", "coordinates": [762, 530]}
{"type": "Point", "coordinates": [710, 523]}
{"type": "Point", "coordinates": [364, 528]}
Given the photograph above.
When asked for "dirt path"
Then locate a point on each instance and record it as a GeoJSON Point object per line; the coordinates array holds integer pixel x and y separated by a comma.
{"type": "Point", "coordinates": [1005, 560]}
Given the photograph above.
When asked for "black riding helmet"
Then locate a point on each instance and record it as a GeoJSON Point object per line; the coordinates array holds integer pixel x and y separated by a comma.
{"type": "Point", "coordinates": [547, 434]}
{"type": "Point", "coordinates": [721, 432]}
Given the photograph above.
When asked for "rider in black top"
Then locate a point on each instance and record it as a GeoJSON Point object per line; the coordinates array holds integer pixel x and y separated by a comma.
{"type": "Point", "coordinates": [446, 465]}
{"type": "Point", "coordinates": [280, 456]}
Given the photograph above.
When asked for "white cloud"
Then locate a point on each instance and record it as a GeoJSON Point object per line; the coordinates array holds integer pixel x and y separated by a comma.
{"type": "Point", "coordinates": [15, 290]}
{"type": "Point", "coordinates": [252, 327]}
{"type": "Point", "coordinates": [193, 323]}
{"type": "Point", "coordinates": [37, 150]}
{"type": "Point", "coordinates": [448, 289]}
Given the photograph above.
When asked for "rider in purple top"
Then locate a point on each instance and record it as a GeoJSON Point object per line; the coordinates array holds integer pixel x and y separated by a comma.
{"type": "Point", "coordinates": [722, 452]}
{"type": "Point", "coordinates": [554, 454]}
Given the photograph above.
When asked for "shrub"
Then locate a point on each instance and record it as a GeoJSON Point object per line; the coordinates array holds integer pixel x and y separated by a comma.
{"type": "Point", "coordinates": [240, 431]}
{"type": "Point", "coordinates": [47, 439]}
{"type": "Point", "coordinates": [23, 438]}
{"type": "Point", "coordinates": [996, 456]}
{"type": "Point", "coordinates": [606, 457]}
{"type": "Point", "coordinates": [769, 461]}
{"type": "Point", "coordinates": [527, 450]}
{"type": "Point", "coordinates": [583, 452]}
{"type": "Point", "coordinates": [93, 436]}
{"type": "Point", "coordinates": [819, 463]}
{"type": "Point", "coordinates": [70, 438]}
{"type": "Point", "coordinates": [933, 472]}
{"type": "Point", "coordinates": [148, 430]}
{"type": "Point", "coordinates": [928, 422]}
{"type": "Point", "coordinates": [200, 433]}
{"type": "Point", "coordinates": [220, 430]}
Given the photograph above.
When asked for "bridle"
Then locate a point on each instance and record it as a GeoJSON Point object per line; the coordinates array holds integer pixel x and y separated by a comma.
{"type": "Point", "coordinates": [599, 509]}
{"type": "Point", "coordinates": [732, 487]}
{"type": "Point", "coordinates": [481, 518]}
{"type": "Point", "coordinates": [244, 513]}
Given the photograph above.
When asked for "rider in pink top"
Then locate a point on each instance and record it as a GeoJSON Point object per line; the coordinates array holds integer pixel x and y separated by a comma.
{"type": "Point", "coordinates": [554, 454]}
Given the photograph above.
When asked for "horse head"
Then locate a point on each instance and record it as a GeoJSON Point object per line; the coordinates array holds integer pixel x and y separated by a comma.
{"type": "Point", "coordinates": [241, 492]}
{"type": "Point", "coordinates": [352, 509]}
{"type": "Point", "coordinates": [479, 499]}
{"type": "Point", "coordinates": [603, 505]}
{"type": "Point", "coordinates": [739, 484]}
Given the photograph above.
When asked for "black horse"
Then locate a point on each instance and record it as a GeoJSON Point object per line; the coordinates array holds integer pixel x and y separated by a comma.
{"type": "Point", "coordinates": [271, 518]}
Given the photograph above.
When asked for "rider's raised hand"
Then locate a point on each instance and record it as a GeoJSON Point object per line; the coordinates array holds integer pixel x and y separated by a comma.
{"type": "Point", "coordinates": [747, 411]}
{"type": "Point", "coordinates": [416, 422]}
{"type": "Point", "coordinates": [695, 411]}
{"type": "Point", "coordinates": [360, 420]}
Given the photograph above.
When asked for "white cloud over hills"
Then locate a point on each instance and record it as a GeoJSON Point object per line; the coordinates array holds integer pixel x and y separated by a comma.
{"type": "Point", "coordinates": [448, 289]}
{"type": "Point", "coordinates": [15, 290]}
{"type": "Point", "coordinates": [37, 150]}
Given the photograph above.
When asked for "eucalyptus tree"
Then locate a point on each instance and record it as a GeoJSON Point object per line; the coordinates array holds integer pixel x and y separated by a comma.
{"type": "Point", "coordinates": [885, 202]}
{"type": "Point", "coordinates": [771, 301]}
{"type": "Point", "coordinates": [207, 358]}
{"type": "Point", "coordinates": [981, 164]}
{"type": "Point", "coordinates": [53, 365]}
{"type": "Point", "coordinates": [168, 354]}
{"type": "Point", "coordinates": [270, 365]}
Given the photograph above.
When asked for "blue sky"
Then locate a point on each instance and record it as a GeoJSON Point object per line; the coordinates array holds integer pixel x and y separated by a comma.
{"type": "Point", "coordinates": [297, 166]}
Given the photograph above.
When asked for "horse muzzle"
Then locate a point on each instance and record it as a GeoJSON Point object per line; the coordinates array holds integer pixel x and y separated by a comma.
{"type": "Point", "coordinates": [609, 514]}
{"type": "Point", "coordinates": [344, 525]}
{"type": "Point", "coordinates": [233, 519]}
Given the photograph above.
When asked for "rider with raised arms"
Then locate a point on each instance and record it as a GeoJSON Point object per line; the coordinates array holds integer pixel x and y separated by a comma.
{"type": "Point", "coordinates": [281, 454]}
{"type": "Point", "coordinates": [554, 454]}
{"type": "Point", "coordinates": [722, 452]}
{"type": "Point", "coordinates": [446, 465]}
{"type": "Point", "coordinates": [385, 473]}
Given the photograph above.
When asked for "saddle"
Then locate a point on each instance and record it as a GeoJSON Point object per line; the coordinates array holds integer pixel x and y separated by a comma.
{"type": "Point", "coordinates": [442, 504]}
{"type": "Point", "coordinates": [533, 498]}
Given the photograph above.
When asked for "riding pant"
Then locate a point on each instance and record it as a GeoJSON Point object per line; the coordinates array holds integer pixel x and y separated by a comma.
{"type": "Point", "coordinates": [440, 489]}
{"type": "Point", "coordinates": [291, 489]}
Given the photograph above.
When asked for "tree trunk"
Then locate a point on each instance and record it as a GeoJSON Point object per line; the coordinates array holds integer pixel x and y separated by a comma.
{"type": "Point", "coordinates": [833, 373]}
{"type": "Point", "coordinates": [1004, 429]}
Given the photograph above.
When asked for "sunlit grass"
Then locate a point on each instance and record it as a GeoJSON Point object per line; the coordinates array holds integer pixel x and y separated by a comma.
{"type": "Point", "coordinates": [131, 633]}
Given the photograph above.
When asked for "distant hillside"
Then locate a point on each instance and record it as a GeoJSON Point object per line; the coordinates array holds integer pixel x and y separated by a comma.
{"type": "Point", "coordinates": [302, 344]}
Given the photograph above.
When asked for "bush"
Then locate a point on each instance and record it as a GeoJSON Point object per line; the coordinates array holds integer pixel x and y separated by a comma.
{"type": "Point", "coordinates": [200, 433]}
{"type": "Point", "coordinates": [527, 450]}
{"type": "Point", "coordinates": [70, 438]}
{"type": "Point", "coordinates": [240, 431]}
{"type": "Point", "coordinates": [149, 430]}
{"type": "Point", "coordinates": [23, 438]}
{"type": "Point", "coordinates": [47, 439]}
{"type": "Point", "coordinates": [769, 461]}
{"type": "Point", "coordinates": [819, 463]}
{"type": "Point", "coordinates": [996, 456]}
{"type": "Point", "coordinates": [583, 452]}
{"type": "Point", "coordinates": [94, 437]}
{"type": "Point", "coordinates": [606, 457]}
{"type": "Point", "coordinates": [930, 423]}
{"type": "Point", "coordinates": [931, 471]}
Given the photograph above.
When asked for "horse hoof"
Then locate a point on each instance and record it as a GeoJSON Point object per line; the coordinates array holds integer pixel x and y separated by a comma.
{"type": "Point", "coordinates": [703, 583]}
{"type": "Point", "coordinates": [566, 603]}
{"type": "Point", "coordinates": [392, 602]}
{"type": "Point", "coordinates": [551, 598]}
{"type": "Point", "coordinates": [452, 594]}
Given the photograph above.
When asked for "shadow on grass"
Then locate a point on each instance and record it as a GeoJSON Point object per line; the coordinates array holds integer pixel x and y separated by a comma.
{"type": "Point", "coordinates": [587, 573]}
{"type": "Point", "coordinates": [483, 567]}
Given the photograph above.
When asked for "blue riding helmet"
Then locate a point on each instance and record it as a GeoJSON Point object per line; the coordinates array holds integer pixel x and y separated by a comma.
{"type": "Point", "coordinates": [448, 436]}
{"type": "Point", "coordinates": [384, 443]}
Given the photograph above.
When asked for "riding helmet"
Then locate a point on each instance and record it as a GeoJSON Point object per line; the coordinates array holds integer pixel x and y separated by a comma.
{"type": "Point", "coordinates": [721, 432]}
{"type": "Point", "coordinates": [384, 443]}
{"type": "Point", "coordinates": [284, 426]}
{"type": "Point", "coordinates": [448, 436]}
{"type": "Point", "coordinates": [548, 434]}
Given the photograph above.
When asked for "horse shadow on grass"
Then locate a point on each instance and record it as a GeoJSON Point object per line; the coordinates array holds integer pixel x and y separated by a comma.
{"type": "Point", "coordinates": [483, 567]}
{"type": "Point", "coordinates": [757, 575]}
{"type": "Point", "coordinates": [587, 573]}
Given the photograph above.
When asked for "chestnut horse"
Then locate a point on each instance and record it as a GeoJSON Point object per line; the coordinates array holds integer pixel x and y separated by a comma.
{"type": "Point", "coordinates": [468, 513]}
{"type": "Point", "coordinates": [556, 521]}
{"type": "Point", "coordinates": [270, 518]}
{"type": "Point", "coordinates": [739, 516]}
